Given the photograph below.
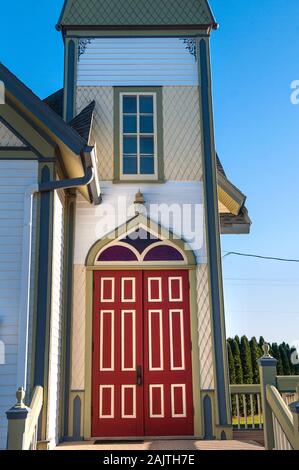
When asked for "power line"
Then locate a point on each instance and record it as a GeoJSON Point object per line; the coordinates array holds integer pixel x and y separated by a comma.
{"type": "Point", "coordinates": [271, 258]}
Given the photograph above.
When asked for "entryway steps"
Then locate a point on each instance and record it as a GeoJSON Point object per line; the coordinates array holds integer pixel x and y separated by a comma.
{"type": "Point", "coordinates": [163, 445]}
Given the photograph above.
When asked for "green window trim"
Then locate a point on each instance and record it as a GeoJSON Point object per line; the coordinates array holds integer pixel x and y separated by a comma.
{"type": "Point", "coordinates": [118, 91]}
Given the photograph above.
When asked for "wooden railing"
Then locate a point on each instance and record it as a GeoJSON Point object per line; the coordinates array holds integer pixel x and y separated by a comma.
{"type": "Point", "coordinates": [246, 407]}
{"type": "Point", "coordinates": [286, 436]}
{"type": "Point", "coordinates": [23, 421]}
{"type": "Point", "coordinates": [271, 406]}
{"type": "Point", "coordinates": [280, 408]}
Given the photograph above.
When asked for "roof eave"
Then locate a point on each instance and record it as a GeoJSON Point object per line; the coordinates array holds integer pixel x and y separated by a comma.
{"type": "Point", "coordinates": [61, 27]}
{"type": "Point", "coordinates": [235, 225]}
{"type": "Point", "coordinates": [232, 192]}
{"type": "Point", "coordinates": [41, 111]}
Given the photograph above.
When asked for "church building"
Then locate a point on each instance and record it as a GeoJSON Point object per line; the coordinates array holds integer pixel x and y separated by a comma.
{"type": "Point", "coordinates": [112, 204]}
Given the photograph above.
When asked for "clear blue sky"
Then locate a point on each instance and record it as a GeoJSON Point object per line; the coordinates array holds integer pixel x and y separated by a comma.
{"type": "Point", "coordinates": [255, 56]}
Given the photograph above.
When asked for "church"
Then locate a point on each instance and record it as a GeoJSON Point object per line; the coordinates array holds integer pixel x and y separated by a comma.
{"type": "Point", "coordinates": [112, 204]}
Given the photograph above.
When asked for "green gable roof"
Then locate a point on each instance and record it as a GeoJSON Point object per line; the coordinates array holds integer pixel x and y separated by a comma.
{"type": "Point", "coordinates": [136, 13]}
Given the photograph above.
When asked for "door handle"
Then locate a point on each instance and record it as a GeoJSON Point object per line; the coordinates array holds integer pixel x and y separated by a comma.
{"type": "Point", "coordinates": [139, 375]}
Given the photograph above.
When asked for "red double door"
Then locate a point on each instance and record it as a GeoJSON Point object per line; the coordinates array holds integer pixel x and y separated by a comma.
{"type": "Point", "coordinates": [142, 371]}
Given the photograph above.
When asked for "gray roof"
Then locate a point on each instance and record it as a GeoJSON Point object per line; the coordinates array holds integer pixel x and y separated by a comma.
{"type": "Point", "coordinates": [41, 111]}
{"type": "Point", "coordinates": [136, 13]}
{"type": "Point", "coordinates": [55, 101]}
{"type": "Point", "coordinates": [220, 166]}
{"type": "Point", "coordinates": [83, 121]}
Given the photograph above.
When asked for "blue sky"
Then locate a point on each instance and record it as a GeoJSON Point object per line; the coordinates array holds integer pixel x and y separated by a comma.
{"type": "Point", "coordinates": [255, 58]}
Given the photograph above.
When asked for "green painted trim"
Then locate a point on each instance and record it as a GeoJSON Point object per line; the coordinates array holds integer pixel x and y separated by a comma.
{"type": "Point", "coordinates": [223, 416]}
{"type": "Point", "coordinates": [69, 224]}
{"type": "Point", "coordinates": [211, 395]}
{"type": "Point", "coordinates": [160, 129]}
{"type": "Point", "coordinates": [196, 379]}
{"type": "Point", "coordinates": [70, 79]}
{"type": "Point", "coordinates": [17, 155]}
{"type": "Point", "coordinates": [131, 224]}
{"type": "Point", "coordinates": [73, 395]}
{"type": "Point", "coordinates": [26, 130]}
{"type": "Point", "coordinates": [118, 181]}
{"type": "Point", "coordinates": [41, 111]}
{"type": "Point", "coordinates": [44, 291]}
{"type": "Point", "coordinates": [88, 355]}
{"type": "Point", "coordinates": [136, 267]}
{"type": "Point", "coordinates": [173, 33]}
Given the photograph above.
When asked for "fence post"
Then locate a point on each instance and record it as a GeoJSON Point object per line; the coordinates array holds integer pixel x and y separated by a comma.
{"type": "Point", "coordinates": [17, 417]}
{"type": "Point", "coordinates": [294, 407]}
{"type": "Point", "coordinates": [267, 367]}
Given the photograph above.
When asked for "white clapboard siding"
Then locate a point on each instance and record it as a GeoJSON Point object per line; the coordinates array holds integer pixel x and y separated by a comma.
{"type": "Point", "coordinates": [15, 178]}
{"type": "Point", "coordinates": [137, 61]}
{"type": "Point", "coordinates": [56, 323]}
{"type": "Point", "coordinates": [93, 222]}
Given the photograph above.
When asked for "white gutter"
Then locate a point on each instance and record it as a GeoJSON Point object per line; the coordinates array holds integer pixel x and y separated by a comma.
{"type": "Point", "coordinates": [24, 308]}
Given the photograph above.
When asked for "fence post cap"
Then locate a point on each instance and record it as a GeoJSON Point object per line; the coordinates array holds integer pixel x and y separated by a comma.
{"type": "Point", "coordinates": [20, 396]}
{"type": "Point", "coordinates": [17, 413]}
{"type": "Point", "coordinates": [294, 407]}
{"type": "Point", "coordinates": [19, 410]}
{"type": "Point", "coordinates": [267, 359]}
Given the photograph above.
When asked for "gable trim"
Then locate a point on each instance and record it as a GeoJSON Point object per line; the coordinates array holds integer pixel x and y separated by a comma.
{"type": "Point", "coordinates": [129, 226]}
{"type": "Point", "coordinates": [37, 142]}
{"type": "Point", "coordinates": [42, 111]}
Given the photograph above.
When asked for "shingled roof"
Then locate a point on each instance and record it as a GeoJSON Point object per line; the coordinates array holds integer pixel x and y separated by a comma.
{"type": "Point", "coordinates": [82, 123]}
{"type": "Point", "coordinates": [55, 101]}
{"type": "Point", "coordinates": [136, 13]}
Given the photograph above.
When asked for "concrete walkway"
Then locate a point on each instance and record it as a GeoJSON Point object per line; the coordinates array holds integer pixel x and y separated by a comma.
{"type": "Point", "coordinates": [177, 445]}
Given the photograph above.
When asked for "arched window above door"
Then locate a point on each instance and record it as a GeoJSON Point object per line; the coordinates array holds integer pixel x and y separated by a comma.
{"type": "Point", "coordinates": [141, 246]}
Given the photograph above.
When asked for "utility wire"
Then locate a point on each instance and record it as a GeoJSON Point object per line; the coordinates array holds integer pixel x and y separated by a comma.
{"type": "Point", "coordinates": [271, 258]}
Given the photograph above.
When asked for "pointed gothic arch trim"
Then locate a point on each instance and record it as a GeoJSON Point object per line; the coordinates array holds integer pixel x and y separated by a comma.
{"type": "Point", "coordinates": [164, 236]}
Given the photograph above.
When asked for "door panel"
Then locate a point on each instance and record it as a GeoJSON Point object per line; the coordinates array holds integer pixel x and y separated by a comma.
{"type": "Point", "coordinates": [117, 352]}
{"type": "Point", "coordinates": [168, 396]}
{"type": "Point", "coordinates": [142, 376]}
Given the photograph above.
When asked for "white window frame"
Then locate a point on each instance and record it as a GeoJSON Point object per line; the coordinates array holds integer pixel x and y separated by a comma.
{"type": "Point", "coordinates": [139, 176]}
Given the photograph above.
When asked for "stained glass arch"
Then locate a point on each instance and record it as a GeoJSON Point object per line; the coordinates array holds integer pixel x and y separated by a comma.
{"type": "Point", "coordinates": [140, 246]}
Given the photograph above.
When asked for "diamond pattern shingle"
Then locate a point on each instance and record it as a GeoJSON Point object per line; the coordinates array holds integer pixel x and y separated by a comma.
{"type": "Point", "coordinates": [137, 12]}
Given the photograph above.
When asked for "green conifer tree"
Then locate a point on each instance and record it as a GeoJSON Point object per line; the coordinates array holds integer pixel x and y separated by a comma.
{"type": "Point", "coordinates": [284, 359]}
{"type": "Point", "coordinates": [237, 360]}
{"type": "Point", "coordinates": [246, 361]}
{"type": "Point", "coordinates": [231, 364]}
{"type": "Point", "coordinates": [255, 355]}
{"type": "Point", "coordinates": [289, 354]}
{"type": "Point", "coordinates": [261, 343]}
{"type": "Point", "coordinates": [276, 353]}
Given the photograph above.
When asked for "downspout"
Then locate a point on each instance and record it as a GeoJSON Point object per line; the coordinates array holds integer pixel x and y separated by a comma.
{"type": "Point", "coordinates": [24, 309]}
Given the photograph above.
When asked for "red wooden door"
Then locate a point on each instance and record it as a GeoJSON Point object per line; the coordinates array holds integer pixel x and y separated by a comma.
{"type": "Point", "coordinates": [168, 398]}
{"type": "Point", "coordinates": [142, 371]}
{"type": "Point", "coordinates": [117, 353]}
